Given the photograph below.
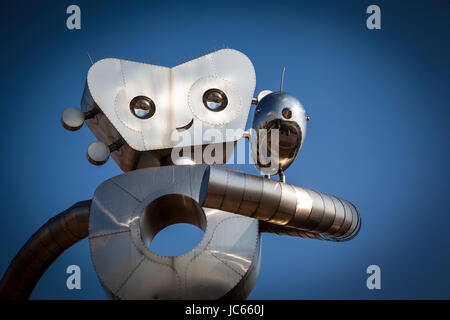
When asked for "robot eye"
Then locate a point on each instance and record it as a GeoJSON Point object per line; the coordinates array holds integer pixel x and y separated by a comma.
{"type": "Point", "coordinates": [287, 113]}
{"type": "Point", "coordinates": [215, 100]}
{"type": "Point", "coordinates": [142, 107]}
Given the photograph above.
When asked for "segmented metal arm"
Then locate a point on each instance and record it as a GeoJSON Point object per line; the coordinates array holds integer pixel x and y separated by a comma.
{"type": "Point", "coordinates": [281, 208]}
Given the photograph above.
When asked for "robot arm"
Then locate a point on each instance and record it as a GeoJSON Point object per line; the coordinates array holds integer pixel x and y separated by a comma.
{"type": "Point", "coordinates": [42, 249]}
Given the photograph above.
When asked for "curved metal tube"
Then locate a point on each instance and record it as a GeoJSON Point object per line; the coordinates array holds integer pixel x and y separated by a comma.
{"type": "Point", "coordinates": [42, 249]}
{"type": "Point", "coordinates": [283, 208]}
{"type": "Point", "coordinates": [268, 227]}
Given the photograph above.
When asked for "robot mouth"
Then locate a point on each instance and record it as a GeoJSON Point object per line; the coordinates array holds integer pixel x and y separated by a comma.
{"type": "Point", "coordinates": [186, 127]}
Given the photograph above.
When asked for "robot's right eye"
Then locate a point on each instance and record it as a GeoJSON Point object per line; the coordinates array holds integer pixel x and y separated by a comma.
{"type": "Point", "coordinates": [287, 113]}
{"type": "Point", "coordinates": [215, 100]}
{"type": "Point", "coordinates": [142, 107]}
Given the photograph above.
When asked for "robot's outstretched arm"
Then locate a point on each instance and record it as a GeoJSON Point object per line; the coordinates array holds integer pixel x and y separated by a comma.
{"type": "Point", "coordinates": [268, 227]}
{"type": "Point", "coordinates": [42, 249]}
{"type": "Point", "coordinates": [281, 208]}
{"type": "Point", "coordinates": [143, 203]}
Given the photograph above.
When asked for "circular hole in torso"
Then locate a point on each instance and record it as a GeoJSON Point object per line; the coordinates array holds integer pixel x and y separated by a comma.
{"type": "Point", "coordinates": [172, 225]}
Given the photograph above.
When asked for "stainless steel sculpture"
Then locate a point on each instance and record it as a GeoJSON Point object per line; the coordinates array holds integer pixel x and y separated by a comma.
{"type": "Point", "coordinates": [179, 99]}
{"type": "Point", "coordinates": [141, 114]}
{"type": "Point", "coordinates": [129, 210]}
{"type": "Point", "coordinates": [283, 112]}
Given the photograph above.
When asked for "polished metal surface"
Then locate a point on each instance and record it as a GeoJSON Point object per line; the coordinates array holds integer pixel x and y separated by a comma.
{"type": "Point", "coordinates": [283, 112]}
{"type": "Point", "coordinates": [129, 210]}
{"type": "Point", "coordinates": [98, 153]}
{"type": "Point", "coordinates": [140, 114]}
{"type": "Point", "coordinates": [142, 107]}
{"type": "Point", "coordinates": [215, 100]}
{"type": "Point", "coordinates": [72, 119]}
{"type": "Point", "coordinates": [262, 94]}
{"type": "Point", "coordinates": [155, 109]}
{"type": "Point", "coordinates": [277, 203]}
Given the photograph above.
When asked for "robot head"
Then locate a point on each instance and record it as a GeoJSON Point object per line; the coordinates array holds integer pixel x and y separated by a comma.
{"type": "Point", "coordinates": [148, 103]}
{"type": "Point", "coordinates": [142, 112]}
{"type": "Point", "coordinates": [145, 110]}
{"type": "Point", "coordinates": [278, 131]}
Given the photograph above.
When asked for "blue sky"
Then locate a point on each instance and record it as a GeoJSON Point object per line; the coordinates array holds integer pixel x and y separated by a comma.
{"type": "Point", "coordinates": [378, 135]}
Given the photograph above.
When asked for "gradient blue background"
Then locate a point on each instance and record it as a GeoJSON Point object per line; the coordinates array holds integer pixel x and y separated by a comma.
{"type": "Point", "coordinates": [378, 135]}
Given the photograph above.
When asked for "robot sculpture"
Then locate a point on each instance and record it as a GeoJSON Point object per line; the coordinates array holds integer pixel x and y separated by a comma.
{"type": "Point", "coordinates": [154, 122]}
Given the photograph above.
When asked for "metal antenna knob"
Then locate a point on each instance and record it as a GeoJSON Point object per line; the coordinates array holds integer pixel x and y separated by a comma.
{"type": "Point", "coordinates": [72, 119]}
{"type": "Point", "coordinates": [262, 94]}
{"type": "Point", "coordinates": [98, 153]}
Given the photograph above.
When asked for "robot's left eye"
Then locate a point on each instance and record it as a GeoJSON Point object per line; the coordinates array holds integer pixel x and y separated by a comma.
{"type": "Point", "coordinates": [142, 107]}
{"type": "Point", "coordinates": [215, 100]}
